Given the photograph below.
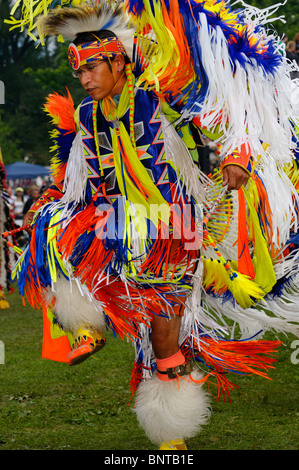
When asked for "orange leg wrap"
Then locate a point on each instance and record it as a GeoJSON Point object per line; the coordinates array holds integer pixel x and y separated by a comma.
{"type": "Point", "coordinates": [172, 361]}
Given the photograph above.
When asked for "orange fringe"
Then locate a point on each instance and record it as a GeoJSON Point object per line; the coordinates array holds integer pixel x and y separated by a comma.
{"type": "Point", "coordinates": [61, 107]}
{"type": "Point", "coordinates": [181, 73]}
{"type": "Point", "coordinates": [240, 357]}
{"type": "Point", "coordinates": [265, 214]}
{"type": "Point", "coordinates": [245, 265]}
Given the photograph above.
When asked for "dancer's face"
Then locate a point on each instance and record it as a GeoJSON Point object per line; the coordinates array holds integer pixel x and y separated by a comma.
{"type": "Point", "coordinates": [100, 80]}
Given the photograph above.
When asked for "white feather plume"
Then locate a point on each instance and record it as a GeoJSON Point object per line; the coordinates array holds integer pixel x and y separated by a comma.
{"type": "Point", "coordinates": [69, 22]}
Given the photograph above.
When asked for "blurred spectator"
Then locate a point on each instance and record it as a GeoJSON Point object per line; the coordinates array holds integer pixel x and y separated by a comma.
{"type": "Point", "coordinates": [18, 206]}
{"type": "Point", "coordinates": [33, 196]}
{"type": "Point", "coordinates": [291, 51]}
{"type": "Point", "coordinates": [26, 194]}
{"type": "Point", "coordinates": [46, 184]}
{"type": "Point", "coordinates": [292, 55]}
{"type": "Point", "coordinates": [215, 150]}
{"type": "Point", "coordinates": [296, 40]}
{"type": "Point", "coordinates": [204, 157]}
{"type": "Point", "coordinates": [285, 38]}
{"type": "Point", "coordinates": [202, 150]}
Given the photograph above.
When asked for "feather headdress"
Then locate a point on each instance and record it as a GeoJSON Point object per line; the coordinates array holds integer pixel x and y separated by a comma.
{"type": "Point", "coordinates": [69, 22]}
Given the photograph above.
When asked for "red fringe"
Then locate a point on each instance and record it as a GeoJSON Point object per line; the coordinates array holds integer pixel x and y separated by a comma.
{"type": "Point", "coordinates": [240, 357]}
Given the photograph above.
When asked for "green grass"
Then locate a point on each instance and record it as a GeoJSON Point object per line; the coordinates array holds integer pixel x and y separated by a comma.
{"type": "Point", "coordinates": [46, 405]}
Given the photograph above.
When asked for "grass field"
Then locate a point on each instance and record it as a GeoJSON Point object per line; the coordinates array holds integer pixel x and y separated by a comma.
{"type": "Point", "coordinates": [50, 406]}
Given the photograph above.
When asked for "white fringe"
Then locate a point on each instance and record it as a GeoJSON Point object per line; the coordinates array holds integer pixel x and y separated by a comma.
{"type": "Point", "coordinates": [177, 153]}
{"type": "Point", "coordinates": [195, 316]}
{"type": "Point", "coordinates": [76, 174]}
{"type": "Point", "coordinates": [268, 315]}
{"type": "Point", "coordinates": [250, 101]}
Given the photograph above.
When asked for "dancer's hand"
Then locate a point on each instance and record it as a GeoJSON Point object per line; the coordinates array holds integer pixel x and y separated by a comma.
{"type": "Point", "coordinates": [234, 176]}
{"type": "Point", "coordinates": [27, 220]}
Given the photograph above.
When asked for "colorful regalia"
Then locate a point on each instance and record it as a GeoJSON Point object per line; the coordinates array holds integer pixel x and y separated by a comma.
{"type": "Point", "coordinates": [116, 238]}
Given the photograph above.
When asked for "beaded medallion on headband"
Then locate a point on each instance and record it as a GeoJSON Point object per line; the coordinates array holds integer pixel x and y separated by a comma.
{"type": "Point", "coordinates": [96, 50]}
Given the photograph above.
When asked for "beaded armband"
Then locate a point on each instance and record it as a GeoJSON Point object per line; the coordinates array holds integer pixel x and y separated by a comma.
{"type": "Point", "coordinates": [49, 195]}
{"type": "Point", "coordinates": [241, 158]}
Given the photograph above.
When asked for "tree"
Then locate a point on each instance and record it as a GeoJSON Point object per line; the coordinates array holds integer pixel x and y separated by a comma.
{"type": "Point", "coordinates": [9, 142]}
{"type": "Point", "coordinates": [29, 72]}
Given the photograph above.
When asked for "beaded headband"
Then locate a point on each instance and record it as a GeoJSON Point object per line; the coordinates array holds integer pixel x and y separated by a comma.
{"type": "Point", "coordinates": [96, 50]}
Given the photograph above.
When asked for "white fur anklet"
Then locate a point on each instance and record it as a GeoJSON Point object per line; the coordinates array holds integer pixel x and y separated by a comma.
{"type": "Point", "coordinates": [172, 410]}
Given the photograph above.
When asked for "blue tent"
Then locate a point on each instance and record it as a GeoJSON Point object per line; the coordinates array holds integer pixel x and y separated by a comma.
{"type": "Point", "coordinates": [23, 170]}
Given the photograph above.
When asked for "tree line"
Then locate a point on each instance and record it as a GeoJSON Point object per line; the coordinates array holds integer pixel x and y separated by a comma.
{"type": "Point", "coordinates": [29, 72]}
